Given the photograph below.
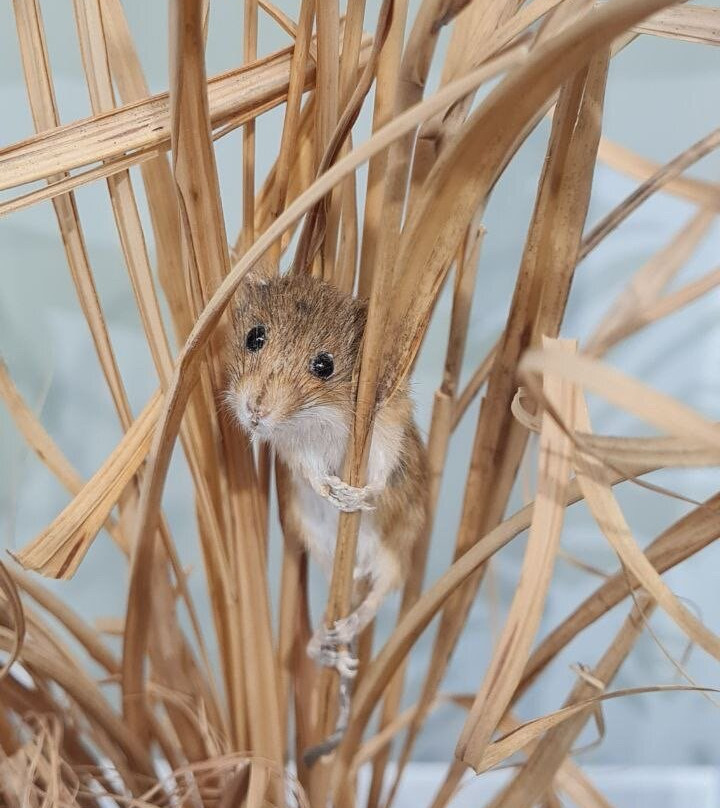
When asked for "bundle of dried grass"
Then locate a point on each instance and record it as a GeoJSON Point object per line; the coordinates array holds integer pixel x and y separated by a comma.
{"type": "Point", "coordinates": [188, 734]}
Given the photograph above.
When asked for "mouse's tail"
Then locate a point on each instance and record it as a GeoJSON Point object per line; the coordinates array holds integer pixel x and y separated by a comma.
{"type": "Point", "coordinates": [331, 743]}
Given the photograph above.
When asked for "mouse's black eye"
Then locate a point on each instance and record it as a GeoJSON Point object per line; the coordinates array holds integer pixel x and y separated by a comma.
{"type": "Point", "coordinates": [322, 365]}
{"type": "Point", "coordinates": [256, 338]}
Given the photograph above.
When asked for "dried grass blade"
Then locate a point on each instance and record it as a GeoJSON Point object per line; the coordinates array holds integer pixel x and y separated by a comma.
{"type": "Point", "coordinates": [355, 467]}
{"type": "Point", "coordinates": [281, 18]}
{"type": "Point", "coordinates": [345, 198]}
{"type": "Point", "coordinates": [679, 298]}
{"type": "Point", "coordinates": [315, 227]}
{"type": "Point", "coordinates": [657, 409]}
{"type": "Point", "coordinates": [531, 730]}
{"type": "Point", "coordinates": [412, 76]}
{"type": "Point", "coordinates": [327, 106]}
{"type": "Point", "coordinates": [629, 453]}
{"type": "Point", "coordinates": [127, 218]}
{"type": "Point", "coordinates": [460, 181]}
{"type": "Point", "coordinates": [157, 179]}
{"type": "Point", "coordinates": [571, 781]}
{"type": "Point", "coordinates": [680, 541]}
{"type": "Point", "coordinates": [301, 175]}
{"type": "Point", "coordinates": [293, 123]}
{"type": "Point", "coordinates": [385, 92]}
{"type": "Point", "coordinates": [59, 549]}
{"type": "Point", "coordinates": [45, 447]}
{"type": "Point", "coordinates": [667, 172]}
{"type": "Point", "coordinates": [511, 653]}
{"type": "Point", "coordinates": [328, 61]}
{"type": "Point", "coordinates": [593, 479]}
{"type": "Point", "coordinates": [689, 23]}
{"type": "Point", "coordinates": [538, 772]}
{"type": "Point", "coordinates": [89, 638]}
{"type": "Point", "coordinates": [236, 95]}
{"type": "Point", "coordinates": [649, 281]}
{"type": "Point", "coordinates": [250, 35]}
{"type": "Point", "coordinates": [662, 307]}
{"type": "Point", "coordinates": [619, 158]}
{"type": "Point", "coordinates": [42, 102]}
{"type": "Point", "coordinates": [473, 387]}
{"type": "Point", "coordinates": [69, 182]}
{"type": "Point", "coordinates": [479, 33]}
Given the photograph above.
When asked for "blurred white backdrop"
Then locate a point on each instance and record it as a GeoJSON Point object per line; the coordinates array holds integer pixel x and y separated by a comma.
{"type": "Point", "coordinates": [661, 97]}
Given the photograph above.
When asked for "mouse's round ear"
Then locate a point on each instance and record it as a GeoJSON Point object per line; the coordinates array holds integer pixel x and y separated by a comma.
{"type": "Point", "coordinates": [259, 273]}
{"type": "Point", "coordinates": [255, 278]}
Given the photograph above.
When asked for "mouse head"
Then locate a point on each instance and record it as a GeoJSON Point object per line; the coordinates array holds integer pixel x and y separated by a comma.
{"type": "Point", "coordinates": [296, 343]}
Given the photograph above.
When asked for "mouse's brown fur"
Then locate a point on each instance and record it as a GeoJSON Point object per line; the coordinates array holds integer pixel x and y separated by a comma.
{"type": "Point", "coordinates": [277, 398]}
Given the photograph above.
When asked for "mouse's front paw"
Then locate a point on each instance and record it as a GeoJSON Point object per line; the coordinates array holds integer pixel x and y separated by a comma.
{"type": "Point", "coordinates": [348, 498]}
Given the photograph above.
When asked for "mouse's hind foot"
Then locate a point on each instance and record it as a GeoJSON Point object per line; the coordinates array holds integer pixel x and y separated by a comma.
{"type": "Point", "coordinates": [326, 650]}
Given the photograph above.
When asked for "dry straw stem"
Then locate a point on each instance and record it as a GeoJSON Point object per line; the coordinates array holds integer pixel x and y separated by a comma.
{"type": "Point", "coordinates": [441, 427]}
{"type": "Point", "coordinates": [385, 91]}
{"type": "Point", "coordinates": [481, 30]}
{"type": "Point", "coordinates": [157, 180]}
{"type": "Point", "coordinates": [410, 84]}
{"type": "Point", "coordinates": [657, 409]}
{"type": "Point", "coordinates": [292, 119]}
{"type": "Point", "coordinates": [651, 312]}
{"type": "Point", "coordinates": [537, 307]}
{"type": "Point", "coordinates": [315, 226]}
{"type": "Point", "coordinates": [519, 738]}
{"type": "Point", "coordinates": [527, 606]}
{"type": "Point", "coordinates": [250, 34]}
{"type": "Point", "coordinates": [368, 378]}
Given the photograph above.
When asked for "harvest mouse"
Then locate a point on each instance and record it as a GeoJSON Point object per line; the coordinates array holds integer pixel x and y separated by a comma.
{"type": "Point", "coordinates": [297, 342]}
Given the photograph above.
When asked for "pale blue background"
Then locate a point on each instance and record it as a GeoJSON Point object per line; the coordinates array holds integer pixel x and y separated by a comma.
{"type": "Point", "coordinates": [661, 97]}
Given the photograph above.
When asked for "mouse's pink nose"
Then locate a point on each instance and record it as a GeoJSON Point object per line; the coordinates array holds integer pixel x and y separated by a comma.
{"type": "Point", "coordinates": [256, 410]}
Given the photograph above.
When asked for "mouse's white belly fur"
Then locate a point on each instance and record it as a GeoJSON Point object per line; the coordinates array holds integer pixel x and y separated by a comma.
{"type": "Point", "coordinates": [314, 446]}
{"type": "Point", "coordinates": [320, 525]}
